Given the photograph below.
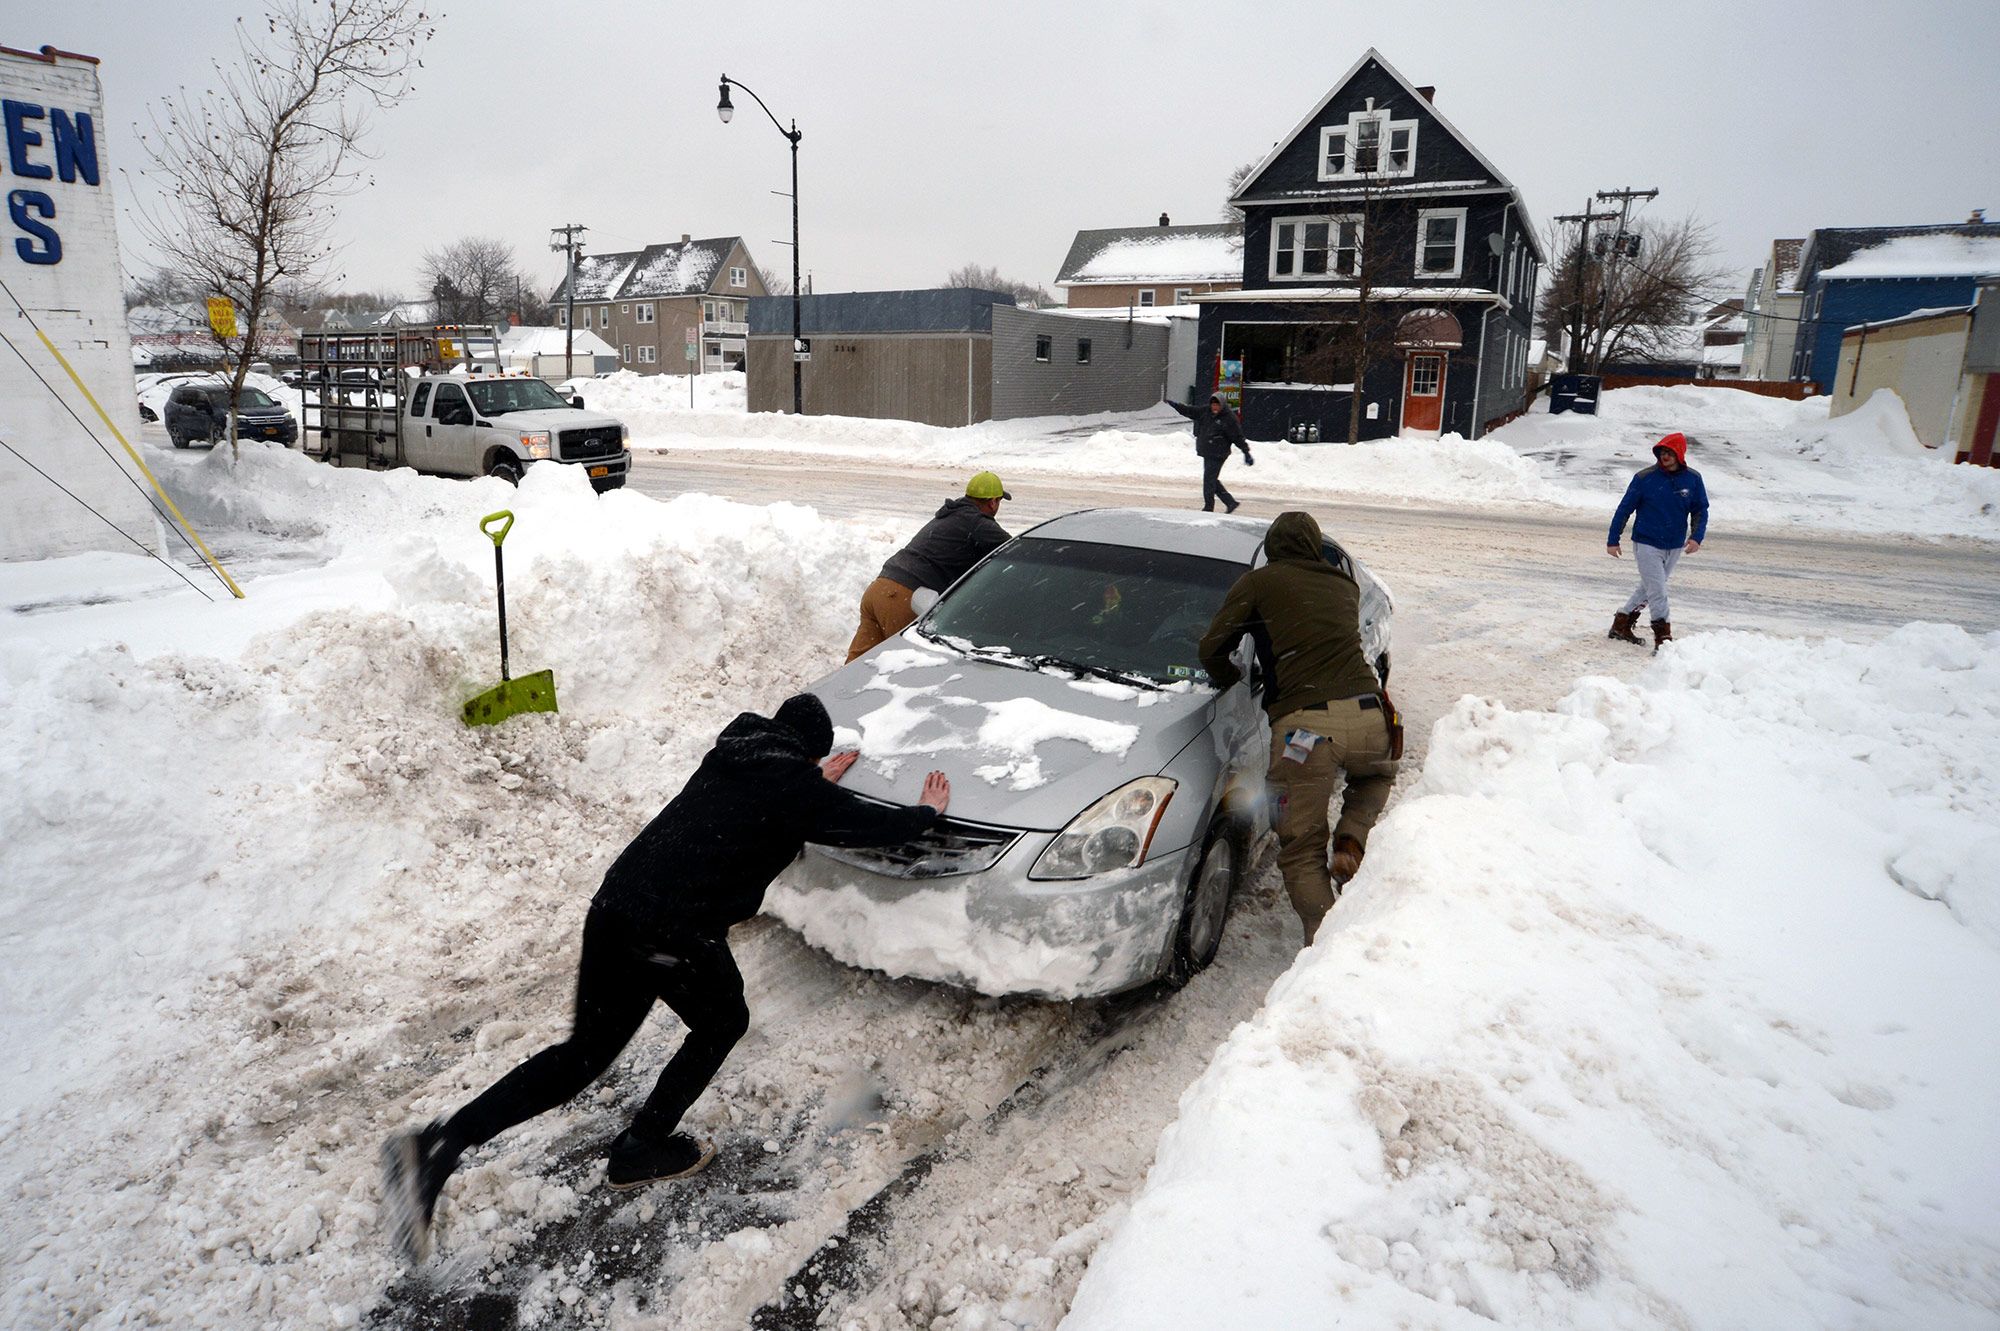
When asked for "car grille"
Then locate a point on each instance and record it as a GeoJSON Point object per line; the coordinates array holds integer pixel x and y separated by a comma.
{"type": "Point", "coordinates": [600, 441]}
{"type": "Point", "coordinates": [949, 847]}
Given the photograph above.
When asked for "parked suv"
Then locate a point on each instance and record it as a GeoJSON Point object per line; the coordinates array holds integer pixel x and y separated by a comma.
{"type": "Point", "coordinates": [201, 411]}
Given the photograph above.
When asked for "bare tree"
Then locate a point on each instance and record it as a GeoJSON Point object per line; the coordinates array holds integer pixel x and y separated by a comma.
{"type": "Point", "coordinates": [1237, 179]}
{"type": "Point", "coordinates": [473, 280]}
{"type": "Point", "coordinates": [1632, 296]}
{"type": "Point", "coordinates": [775, 283]}
{"type": "Point", "coordinates": [1025, 294]}
{"type": "Point", "coordinates": [251, 164]}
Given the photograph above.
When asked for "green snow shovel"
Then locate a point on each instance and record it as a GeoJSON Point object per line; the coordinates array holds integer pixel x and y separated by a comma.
{"type": "Point", "coordinates": [530, 693]}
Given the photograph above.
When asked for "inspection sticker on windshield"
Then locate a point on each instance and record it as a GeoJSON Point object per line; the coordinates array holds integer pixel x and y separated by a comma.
{"type": "Point", "coordinates": [1299, 745]}
{"type": "Point", "coordinates": [1180, 672]}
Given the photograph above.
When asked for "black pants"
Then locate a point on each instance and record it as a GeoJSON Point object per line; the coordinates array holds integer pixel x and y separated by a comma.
{"type": "Point", "coordinates": [1211, 484]}
{"type": "Point", "coordinates": [625, 968]}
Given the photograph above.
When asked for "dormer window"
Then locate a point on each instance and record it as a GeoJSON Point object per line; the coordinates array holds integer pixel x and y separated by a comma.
{"type": "Point", "coordinates": [1370, 145]}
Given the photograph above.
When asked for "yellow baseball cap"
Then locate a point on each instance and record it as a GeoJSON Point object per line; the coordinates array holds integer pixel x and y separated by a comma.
{"type": "Point", "coordinates": [985, 485]}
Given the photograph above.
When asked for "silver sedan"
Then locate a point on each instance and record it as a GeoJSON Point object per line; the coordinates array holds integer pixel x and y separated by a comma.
{"type": "Point", "coordinates": [1103, 792]}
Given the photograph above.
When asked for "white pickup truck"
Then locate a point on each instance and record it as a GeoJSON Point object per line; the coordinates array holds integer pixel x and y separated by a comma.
{"type": "Point", "coordinates": [496, 426]}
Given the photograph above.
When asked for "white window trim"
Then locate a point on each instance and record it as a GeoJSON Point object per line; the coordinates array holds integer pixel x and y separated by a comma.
{"type": "Point", "coordinates": [1424, 216]}
{"type": "Point", "coordinates": [708, 312]}
{"type": "Point", "coordinates": [738, 277]}
{"type": "Point", "coordinates": [1333, 222]}
{"type": "Point", "coordinates": [1148, 298]}
{"type": "Point", "coordinates": [625, 352]}
{"type": "Point", "coordinates": [625, 308]}
{"type": "Point", "coordinates": [1349, 132]}
{"type": "Point", "coordinates": [649, 355]}
{"type": "Point", "coordinates": [645, 314]}
{"type": "Point", "coordinates": [604, 316]}
{"type": "Point", "coordinates": [562, 318]}
{"type": "Point", "coordinates": [1045, 348]}
{"type": "Point", "coordinates": [1182, 295]}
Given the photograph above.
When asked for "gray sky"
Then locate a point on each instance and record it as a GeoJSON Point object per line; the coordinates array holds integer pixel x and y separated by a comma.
{"type": "Point", "coordinates": [938, 134]}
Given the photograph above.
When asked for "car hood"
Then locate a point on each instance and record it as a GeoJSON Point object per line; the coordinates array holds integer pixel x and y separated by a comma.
{"type": "Point", "coordinates": [1024, 747]}
{"type": "Point", "coordinates": [555, 418]}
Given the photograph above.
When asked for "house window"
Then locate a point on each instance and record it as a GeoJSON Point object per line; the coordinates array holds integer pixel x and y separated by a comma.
{"type": "Point", "coordinates": [645, 315]}
{"type": "Point", "coordinates": [1288, 355]}
{"type": "Point", "coordinates": [1146, 297]}
{"type": "Point", "coordinates": [1305, 247]}
{"type": "Point", "coordinates": [1440, 242]}
{"type": "Point", "coordinates": [648, 355]}
{"type": "Point", "coordinates": [738, 278]}
{"type": "Point", "coordinates": [1424, 375]}
{"type": "Point", "coordinates": [1044, 347]}
{"type": "Point", "coordinates": [562, 318]}
{"type": "Point", "coordinates": [1182, 295]}
{"type": "Point", "coordinates": [712, 350]}
{"type": "Point", "coordinates": [624, 309]}
{"type": "Point", "coordinates": [1369, 144]}
{"type": "Point", "coordinates": [1083, 351]}
{"type": "Point", "coordinates": [625, 352]}
{"type": "Point", "coordinates": [604, 316]}
{"type": "Point", "coordinates": [708, 311]}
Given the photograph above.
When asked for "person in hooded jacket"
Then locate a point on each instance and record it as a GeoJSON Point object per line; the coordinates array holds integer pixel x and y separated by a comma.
{"type": "Point", "coordinates": [963, 532]}
{"type": "Point", "coordinates": [1329, 712]}
{"type": "Point", "coordinates": [1669, 508]}
{"type": "Point", "coordinates": [657, 931]}
{"type": "Point", "coordinates": [1216, 431]}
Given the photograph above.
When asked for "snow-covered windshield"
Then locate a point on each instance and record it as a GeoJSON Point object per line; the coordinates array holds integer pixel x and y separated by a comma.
{"type": "Point", "coordinates": [1103, 607]}
{"type": "Point", "coordinates": [497, 397]}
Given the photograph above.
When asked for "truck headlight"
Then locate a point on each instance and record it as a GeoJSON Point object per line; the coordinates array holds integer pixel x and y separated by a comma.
{"type": "Point", "coordinates": [1114, 833]}
{"type": "Point", "coordinates": [624, 432]}
{"type": "Point", "coordinates": [537, 444]}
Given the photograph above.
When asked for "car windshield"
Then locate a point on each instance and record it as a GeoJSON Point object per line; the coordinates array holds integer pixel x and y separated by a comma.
{"type": "Point", "coordinates": [1104, 608]}
{"type": "Point", "coordinates": [497, 397]}
{"type": "Point", "coordinates": [250, 398]}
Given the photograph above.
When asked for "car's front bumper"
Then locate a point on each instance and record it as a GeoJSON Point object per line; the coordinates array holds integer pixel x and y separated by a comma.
{"type": "Point", "coordinates": [996, 930]}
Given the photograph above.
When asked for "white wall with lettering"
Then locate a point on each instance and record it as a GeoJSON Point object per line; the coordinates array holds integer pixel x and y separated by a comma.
{"type": "Point", "coordinates": [59, 266]}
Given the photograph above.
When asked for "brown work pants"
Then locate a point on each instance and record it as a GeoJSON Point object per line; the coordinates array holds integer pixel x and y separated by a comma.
{"type": "Point", "coordinates": [1354, 740]}
{"type": "Point", "coordinates": [885, 611]}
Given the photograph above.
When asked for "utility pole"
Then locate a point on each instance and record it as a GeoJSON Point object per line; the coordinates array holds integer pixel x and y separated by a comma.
{"type": "Point", "coordinates": [571, 242]}
{"type": "Point", "coordinates": [1580, 279]}
{"type": "Point", "coordinates": [1623, 197]}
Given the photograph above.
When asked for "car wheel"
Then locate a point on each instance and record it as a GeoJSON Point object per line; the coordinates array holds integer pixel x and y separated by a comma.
{"type": "Point", "coordinates": [178, 440]}
{"type": "Point", "coordinates": [506, 467]}
{"type": "Point", "coordinates": [1205, 909]}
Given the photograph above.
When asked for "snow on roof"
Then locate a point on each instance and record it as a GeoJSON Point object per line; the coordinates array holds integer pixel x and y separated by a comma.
{"type": "Point", "coordinates": [1728, 355]}
{"type": "Point", "coordinates": [1785, 262]}
{"type": "Point", "coordinates": [1914, 316]}
{"type": "Point", "coordinates": [1937, 255]}
{"type": "Point", "coordinates": [598, 276]}
{"type": "Point", "coordinates": [1208, 253]}
{"type": "Point", "coordinates": [1290, 295]}
{"type": "Point", "coordinates": [540, 340]}
{"type": "Point", "coordinates": [685, 268]}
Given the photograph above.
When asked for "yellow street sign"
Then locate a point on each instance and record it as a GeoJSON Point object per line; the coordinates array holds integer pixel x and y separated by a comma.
{"type": "Point", "coordinates": [222, 316]}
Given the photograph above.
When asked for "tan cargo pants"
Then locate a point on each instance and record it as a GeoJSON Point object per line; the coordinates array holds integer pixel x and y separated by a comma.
{"type": "Point", "coordinates": [885, 611]}
{"type": "Point", "coordinates": [1353, 739]}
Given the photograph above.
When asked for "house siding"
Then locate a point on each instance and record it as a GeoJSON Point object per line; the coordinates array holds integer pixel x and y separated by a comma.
{"type": "Point", "coordinates": [1851, 301]}
{"type": "Point", "coordinates": [1919, 361]}
{"type": "Point", "coordinates": [1441, 157]}
{"type": "Point", "coordinates": [1118, 296]}
{"type": "Point", "coordinates": [1127, 370]}
{"type": "Point", "coordinates": [932, 378]}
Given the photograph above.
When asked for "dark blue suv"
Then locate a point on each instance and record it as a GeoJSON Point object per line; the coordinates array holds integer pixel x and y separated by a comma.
{"type": "Point", "coordinates": [201, 411]}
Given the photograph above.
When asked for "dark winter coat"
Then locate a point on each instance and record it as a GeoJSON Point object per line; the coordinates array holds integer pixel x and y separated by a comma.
{"type": "Point", "coordinates": [704, 861]}
{"type": "Point", "coordinates": [1667, 503]}
{"type": "Point", "coordinates": [1215, 432]}
{"type": "Point", "coordinates": [1305, 616]}
{"type": "Point", "coordinates": [959, 536]}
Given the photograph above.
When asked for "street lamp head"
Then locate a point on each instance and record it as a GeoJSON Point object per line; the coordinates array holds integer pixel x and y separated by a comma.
{"type": "Point", "coordinates": [723, 108]}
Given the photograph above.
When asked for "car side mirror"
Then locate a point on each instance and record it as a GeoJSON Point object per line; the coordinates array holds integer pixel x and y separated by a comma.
{"type": "Point", "coordinates": [577, 402]}
{"type": "Point", "coordinates": [922, 599]}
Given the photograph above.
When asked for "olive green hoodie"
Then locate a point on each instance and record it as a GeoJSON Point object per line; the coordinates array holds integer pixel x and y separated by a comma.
{"type": "Point", "coordinates": [1305, 616]}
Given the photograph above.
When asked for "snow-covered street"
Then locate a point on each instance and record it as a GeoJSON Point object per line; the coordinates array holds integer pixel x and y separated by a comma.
{"type": "Point", "coordinates": [1698, 954]}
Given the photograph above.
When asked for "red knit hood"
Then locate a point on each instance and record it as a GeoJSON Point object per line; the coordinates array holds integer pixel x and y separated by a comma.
{"type": "Point", "coordinates": [1677, 444]}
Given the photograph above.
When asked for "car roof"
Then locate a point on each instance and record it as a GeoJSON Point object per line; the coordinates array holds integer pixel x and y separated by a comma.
{"type": "Point", "coordinates": [1208, 535]}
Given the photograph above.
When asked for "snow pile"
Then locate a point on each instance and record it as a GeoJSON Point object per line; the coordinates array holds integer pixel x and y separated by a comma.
{"type": "Point", "coordinates": [1018, 727]}
{"type": "Point", "coordinates": [628, 396]}
{"type": "Point", "coordinates": [1675, 1006]}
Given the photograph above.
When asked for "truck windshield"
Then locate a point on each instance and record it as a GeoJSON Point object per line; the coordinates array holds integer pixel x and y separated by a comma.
{"type": "Point", "coordinates": [497, 397]}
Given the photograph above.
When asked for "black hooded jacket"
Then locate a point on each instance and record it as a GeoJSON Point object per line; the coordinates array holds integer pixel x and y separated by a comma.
{"type": "Point", "coordinates": [1215, 432]}
{"type": "Point", "coordinates": [704, 861]}
{"type": "Point", "coordinates": [956, 538]}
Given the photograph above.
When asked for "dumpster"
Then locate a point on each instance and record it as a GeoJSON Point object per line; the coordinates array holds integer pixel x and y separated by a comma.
{"type": "Point", "coordinates": [1574, 392]}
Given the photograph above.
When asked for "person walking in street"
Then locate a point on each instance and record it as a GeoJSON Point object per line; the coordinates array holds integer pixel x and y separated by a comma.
{"type": "Point", "coordinates": [963, 532]}
{"type": "Point", "coordinates": [657, 931]}
{"type": "Point", "coordinates": [1329, 712]}
{"type": "Point", "coordinates": [1216, 431]}
{"type": "Point", "coordinates": [1669, 508]}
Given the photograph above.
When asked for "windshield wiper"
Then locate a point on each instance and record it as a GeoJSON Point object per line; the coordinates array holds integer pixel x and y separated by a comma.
{"type": "Point", "coordinates": [1097, 671]}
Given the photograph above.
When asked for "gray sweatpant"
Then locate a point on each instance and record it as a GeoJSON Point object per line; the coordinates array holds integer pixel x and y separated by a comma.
{"type": "Point", "coordinates": [1655, 567]}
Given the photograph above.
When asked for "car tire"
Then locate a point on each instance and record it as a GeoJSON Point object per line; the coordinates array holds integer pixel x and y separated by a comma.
{"type": "Point", "coordinates": [505, 466]}
{"type": "Point", "coordinates": [176, 438]}
{"type": "Point", "coordinates": [1205, 906]}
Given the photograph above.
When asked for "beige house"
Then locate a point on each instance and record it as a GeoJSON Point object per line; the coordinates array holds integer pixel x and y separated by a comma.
{"type": "Point", "coordinates": [1771, 313]}
{"type": "Point", "coordinates": [652, 305]}
{"type": "Point", "coordinates": [1148, 266]}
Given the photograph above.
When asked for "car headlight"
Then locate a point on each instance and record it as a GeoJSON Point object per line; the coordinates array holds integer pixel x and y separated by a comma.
{"type": "Point", "coordinates": [624, 432]}
{"type": "Point", "coordinates": [1114, 833]}
{"type": "Point", "coordinates": [537, 444]}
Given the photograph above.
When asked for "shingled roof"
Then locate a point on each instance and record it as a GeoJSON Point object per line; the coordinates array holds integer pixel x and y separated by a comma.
{"type": "Point", "coordinates": [658, 272]}
{"type": "Point", "coordinates": [1212, 252]}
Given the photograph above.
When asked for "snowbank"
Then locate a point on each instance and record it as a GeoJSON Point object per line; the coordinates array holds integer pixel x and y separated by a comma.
{"type": "Point", "coordinates": [626, 394]}
{"type": "Point", "coordinates": [1673, 1007]}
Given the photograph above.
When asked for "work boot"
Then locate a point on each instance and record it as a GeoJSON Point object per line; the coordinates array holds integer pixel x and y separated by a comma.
{"type": "Point", "coordinates": [415, 1166]}
{"type": "Point", "coordinates": [1663, 633]}
{"type": "Point", "coordinates": [1346, 861]}
{"type": "Point", "coordinates": [637, 1160]}
{"type": "Point", "coordinates": [1621, 628]}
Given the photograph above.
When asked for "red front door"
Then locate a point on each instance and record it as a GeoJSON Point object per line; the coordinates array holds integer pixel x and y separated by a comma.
{"type": "Point", "coordinates": [1423, 393]}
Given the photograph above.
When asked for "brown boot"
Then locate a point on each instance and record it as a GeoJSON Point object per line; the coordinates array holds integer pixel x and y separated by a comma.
{"type": "Point", "coordinates": [1663, 633]}
{"type": "Point", "coordinates": [1346, 861]}
{"type": "Point", "coordinates": [1621, 628]}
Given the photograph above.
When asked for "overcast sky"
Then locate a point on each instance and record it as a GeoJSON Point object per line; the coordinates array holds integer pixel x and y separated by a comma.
{"type": "Point", "coordinates": [938, 134]}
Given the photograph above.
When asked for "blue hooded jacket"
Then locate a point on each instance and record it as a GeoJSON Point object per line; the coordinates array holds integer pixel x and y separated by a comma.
{"type": "Point", "coordinates": [1666, 503]}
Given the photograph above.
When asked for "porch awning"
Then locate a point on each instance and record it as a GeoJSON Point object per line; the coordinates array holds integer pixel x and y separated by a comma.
{"type": "Point", "coordinates": [1428, 330]}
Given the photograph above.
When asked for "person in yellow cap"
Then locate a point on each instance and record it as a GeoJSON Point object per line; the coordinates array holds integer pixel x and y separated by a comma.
{"type": "Point", "coordinates": [963, 533]}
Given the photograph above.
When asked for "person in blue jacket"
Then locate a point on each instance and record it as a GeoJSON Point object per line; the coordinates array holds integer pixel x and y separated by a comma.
{"type": "Point", "coordinates": [1669, 509]}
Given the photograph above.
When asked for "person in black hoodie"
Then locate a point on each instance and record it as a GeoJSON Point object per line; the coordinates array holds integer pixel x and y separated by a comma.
{"type": "Point", "coordinates": [1216, 431]}
{"type": "Point", "coordinates": [961, 533]}
{"type": "Point", "coordinates": [658, 931]}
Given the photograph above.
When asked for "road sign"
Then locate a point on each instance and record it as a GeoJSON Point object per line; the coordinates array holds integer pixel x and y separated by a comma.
{"type": "Point", "coordinates": [690, 349]}
{"type": "Point", "coordinates": [221, 315]}
{"type": "Point", "coordinates": [802, 349]}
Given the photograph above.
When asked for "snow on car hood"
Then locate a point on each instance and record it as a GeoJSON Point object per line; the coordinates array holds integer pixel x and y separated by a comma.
{"type": "Point", "coordinates": [1024, 747]}
{"type": "Point", "coordinates": [554, 418]}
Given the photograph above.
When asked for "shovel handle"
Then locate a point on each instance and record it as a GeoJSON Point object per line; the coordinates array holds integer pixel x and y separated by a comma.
{"type": "Point", "coordinates": [505, 518]}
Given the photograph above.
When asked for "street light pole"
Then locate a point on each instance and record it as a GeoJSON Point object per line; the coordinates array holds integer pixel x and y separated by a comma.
{"type": "Point", "coordinates": [725, 110]}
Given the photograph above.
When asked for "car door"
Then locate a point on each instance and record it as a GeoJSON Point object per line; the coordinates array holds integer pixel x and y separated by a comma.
{"type": "Point", "coordinates": [417, 426]}
{"type": "Point", "coordinates": [453, 447]}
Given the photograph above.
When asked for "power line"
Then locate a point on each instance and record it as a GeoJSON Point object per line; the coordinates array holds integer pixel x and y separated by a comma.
{"type": "Point", "coordinates": [101, 518]}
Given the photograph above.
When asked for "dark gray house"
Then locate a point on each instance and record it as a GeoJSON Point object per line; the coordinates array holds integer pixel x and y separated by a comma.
{"type": "Point", "coordinates": [1384, 257]}
{"type": "Point", "coordinates": [951, 356]}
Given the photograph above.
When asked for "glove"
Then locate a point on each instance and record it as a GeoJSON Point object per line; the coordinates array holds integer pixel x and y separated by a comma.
{"type": "Point", "coordinates": [1248, 461]}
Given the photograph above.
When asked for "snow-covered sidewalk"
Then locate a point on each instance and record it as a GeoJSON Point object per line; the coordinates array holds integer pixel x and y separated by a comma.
{"type": "Point", "coordinates": [1674, 1007]}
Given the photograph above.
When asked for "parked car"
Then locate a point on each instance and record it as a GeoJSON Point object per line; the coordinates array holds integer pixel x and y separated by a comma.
{"type": "Point", "coordinates": [1104, 796]}
{"type": "Point", "coordinates": [201, 411]}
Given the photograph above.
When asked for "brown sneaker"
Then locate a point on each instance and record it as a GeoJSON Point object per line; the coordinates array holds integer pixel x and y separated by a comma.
{"type": "Point", "coordinates": [1621, 628]}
